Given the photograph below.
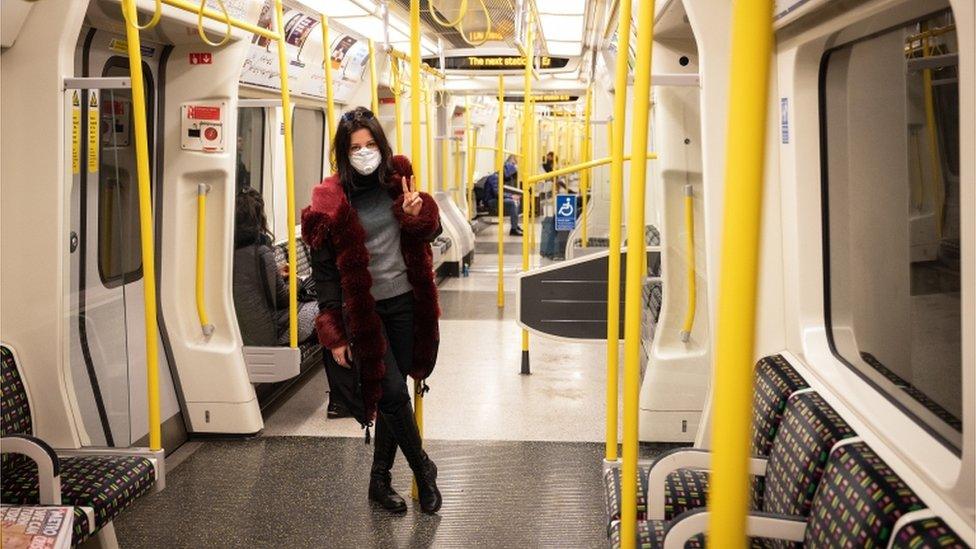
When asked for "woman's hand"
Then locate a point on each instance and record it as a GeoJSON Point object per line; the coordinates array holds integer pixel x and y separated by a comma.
{"type": "Point", "coordinates": [342, 356]}
{"type": "Point", "coordinates": [411, 199]}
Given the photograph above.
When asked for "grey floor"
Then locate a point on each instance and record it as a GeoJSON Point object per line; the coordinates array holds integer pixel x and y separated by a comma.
{"type": "Point", "coordinates": [519, 456]}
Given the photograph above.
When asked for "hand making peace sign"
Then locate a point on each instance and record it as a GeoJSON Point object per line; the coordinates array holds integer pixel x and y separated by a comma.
{"type": "Point", "coordinates": [411, 199]}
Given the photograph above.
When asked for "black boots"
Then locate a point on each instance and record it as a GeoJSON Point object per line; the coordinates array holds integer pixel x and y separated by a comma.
{"type": "Point", "coordinates": [380, 487]}
{"type": "Point", "coordinates": [407, 436]}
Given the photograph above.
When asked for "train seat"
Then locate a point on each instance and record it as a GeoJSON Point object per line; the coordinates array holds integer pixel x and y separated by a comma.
{"type": "Point", "coordinates": [686, 488]}
{"type": "Point", "coordinates": [925, 532]}
{"type": "Point", "coordinates": [303, 268]}
{"type": "Point", "coordinates": [99, 486]}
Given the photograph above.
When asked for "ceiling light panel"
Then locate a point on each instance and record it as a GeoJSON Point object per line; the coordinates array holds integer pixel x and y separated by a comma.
{"type": "Point", "coordinates": [341, 8]}
{"type": "Point", "coordinates": [563, 27]}
{"type": "Point", "coordinates": [568, 7]}
{"type": "Point", "coordinates": [563, 48]}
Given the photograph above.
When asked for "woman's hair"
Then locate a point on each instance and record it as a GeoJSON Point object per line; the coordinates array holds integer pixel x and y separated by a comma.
{"type": "Point", "coordinates": [250, 222]}
{"type": "Point", "coordinates": [358, 119]}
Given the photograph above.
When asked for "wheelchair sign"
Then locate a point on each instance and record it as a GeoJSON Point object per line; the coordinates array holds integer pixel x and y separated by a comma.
{"type": "Point", "coordinates": [565, 212]}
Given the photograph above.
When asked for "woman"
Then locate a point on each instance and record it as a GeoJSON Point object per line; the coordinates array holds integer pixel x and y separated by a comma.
{"type": "Point", "coordinates": [260, 291]}
{"type": "Point", "coordinates": [370, 236]}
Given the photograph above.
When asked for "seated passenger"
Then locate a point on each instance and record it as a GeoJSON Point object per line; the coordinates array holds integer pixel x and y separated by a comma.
{"type": "Point", "coordinates": [511, 203]}
{"type": "Point", "coordinates": [260, 289]}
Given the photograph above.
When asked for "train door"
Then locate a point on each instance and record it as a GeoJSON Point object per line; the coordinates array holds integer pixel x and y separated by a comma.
{"type": "Point", "coordinates": [108, 346]}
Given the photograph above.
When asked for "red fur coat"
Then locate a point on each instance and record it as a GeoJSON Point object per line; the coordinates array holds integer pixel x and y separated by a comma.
{"type": "Point", "coordinates": [331, 218]}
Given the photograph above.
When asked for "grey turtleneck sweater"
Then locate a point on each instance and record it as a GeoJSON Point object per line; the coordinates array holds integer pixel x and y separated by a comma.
{"type": "Point", "coordinates": [375, 209]}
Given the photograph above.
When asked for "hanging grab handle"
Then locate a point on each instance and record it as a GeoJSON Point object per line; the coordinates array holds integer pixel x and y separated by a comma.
{"type": "Point", "coordinates": [203, 35]}
{"type": "Point", "coordinates": [690, 263]}
{"type": "Point", "coordinates": [202, 190]}
{"type": "Point", "coordinates": [153, 21]}
{"type": "Point", "coordinates": [462, 11]}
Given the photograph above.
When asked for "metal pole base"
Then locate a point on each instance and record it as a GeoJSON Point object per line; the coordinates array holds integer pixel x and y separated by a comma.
{"type": "Point", "coordinates": [525, 363]}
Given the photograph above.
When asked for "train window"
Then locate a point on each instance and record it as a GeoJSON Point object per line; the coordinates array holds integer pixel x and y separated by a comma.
{"type": "Point", "coordinates": [250, 148]}
{"type": "Point", "coordinates": [119, 233]}
{"type": "Point", "coordinates": [890, 150]}
{"type": "Point", "coordinates": [309, 136]}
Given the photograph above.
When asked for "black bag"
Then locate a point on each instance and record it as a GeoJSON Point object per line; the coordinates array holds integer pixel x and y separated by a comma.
{"type": "Point", "coordinates": [345, 386]}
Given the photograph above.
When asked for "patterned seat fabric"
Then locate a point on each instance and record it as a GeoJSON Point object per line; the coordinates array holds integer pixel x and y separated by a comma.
{"type": "Point", "coordinates": [775, 381]}
{"type": "Point", "coordinates": [809, 430]}
{"type": "Point", "coordinates": [612, 481]}
{"type": "Point", "coordinates": [925, 533]}
{"type": "Point", "coordinates": [107, 484]}
{"type": "Point", "coordinates": [858, 501]}
{"type": "Point", "coordinates": [16, 416]}
{"type": "Point", "coordinates": [651, 533]}
{"type": "Point", "coordinates": [685, 489]}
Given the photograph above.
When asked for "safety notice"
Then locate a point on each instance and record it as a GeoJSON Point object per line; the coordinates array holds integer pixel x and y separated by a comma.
{"type": "Point", "coordinates": [203, 113]}
{"type": "Point", "coordinates": [93, 119]}
{"type": "Point", "coordinates": [75, 133]}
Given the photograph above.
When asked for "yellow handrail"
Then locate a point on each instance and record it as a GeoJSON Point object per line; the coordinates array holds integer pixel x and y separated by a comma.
{"type": "Point", "coordinates": [429, 126]}
{"type": "Point", "coordinates": [587, 153]}
{"type": "Point", "coordinates": [373, 83]}
{"type": "Point", "coordinates": [529, 163]}
{"type": "Point", "coordinates": [636, 260]}
{"type": "Point", "coordinates": [616, 210]}
{"type": "Point", "coordinates": [752, 39]}
{"type": "Point", "coordinates": [202, 190]}
{"type": "Point", "coordinates": [418, 403]}
{"type": "Point", "coordinates": [500, 166]}
{"type": "Point", "coordinates": [469, 156]}
{"type": "Point", "coordinates": [393, 52]}
{"type": "Point", "coordinates": [689, 322]}
{"type": "Point", "coordinates": [538, 178]}
{"type": "Point", "coordinates": [289, 178]}
{"type": "Point", "coordinates": [457, 171]}
{"type": "Point", "coordinates": [203, 35]}
{"type": "Point", "coordinates": [153, 21]}
{"type": "Point", "coordinates": [217, 16]}
{"type": "Point", "coordinates": [329, 96]}
{"type": "Point", "coordinates": [145, 222]}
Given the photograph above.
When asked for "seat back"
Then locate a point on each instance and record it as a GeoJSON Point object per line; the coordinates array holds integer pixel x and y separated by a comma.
{"type": "Point", "coordinates": [926, 532]}
{"type": "Point", "coordinates": [858, 501]}
{"type": "Point", "coordinates": [810, 428]}
{"type": "Point", "coordinates": [16, 416]}
{"type": "Point", "coordinates": [775, 380]}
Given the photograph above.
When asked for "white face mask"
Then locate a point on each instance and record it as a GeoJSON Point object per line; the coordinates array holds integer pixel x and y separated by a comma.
{"type": "Point", "coordinates": [365, 160]}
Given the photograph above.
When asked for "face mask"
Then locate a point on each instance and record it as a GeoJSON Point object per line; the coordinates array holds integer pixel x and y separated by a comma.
{"type": "Point", "coordinates": [365, 160]}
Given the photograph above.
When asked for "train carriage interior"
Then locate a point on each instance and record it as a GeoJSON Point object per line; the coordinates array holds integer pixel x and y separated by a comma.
{"type": "Point", "coordinates": [787, 359]}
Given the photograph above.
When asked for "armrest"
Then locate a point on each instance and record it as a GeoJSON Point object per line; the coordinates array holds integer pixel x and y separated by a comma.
{"type": "Point", "coordinates": [758, 525]}
{"type": "Point", "coordinates": [48, 465]}
{"type": "Point", "coordinates": [682, 458]}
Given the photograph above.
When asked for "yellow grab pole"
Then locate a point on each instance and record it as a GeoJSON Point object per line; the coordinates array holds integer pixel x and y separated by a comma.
{"type": "Point", "coordinates": [415, 144]}
{"type": "Point", "coordinates": [616, 210]}
{"type": "Point", "coordinates": [444, 162]}
{"type": "Point", "coordinates": [689, 322]}
{"type": "Point", "coordinates": [500, 166]}
{"type": "Point", "coordinates": [587, 138]}
{"type": "Point", "coordinates": [469, 157]}
{"type": "Point", "coordinates": [527, 161]}
{"type": "Point", "coordinates": [636, 258]}
{"type": "Point", "coordinates": [290, 172]}
{"type": "Point", "coordinates": [329, 98]}
{"type": "Point", "coordinates": [145, 222]}
{"type": "Point", "coordinates": [936, 188]}
{"type": "Point", "coordinates": [374, 84]}
{"type": "Point", "coordinates": [205, 325]}
{"type": "Point", "coordinates": [752, 38]}
{"type": "Point", "coordinates": [428, 125]}
{"type": "Point", "coordinates": [457, 171]}
{"type": "Point", "coordinates": [396, 88]}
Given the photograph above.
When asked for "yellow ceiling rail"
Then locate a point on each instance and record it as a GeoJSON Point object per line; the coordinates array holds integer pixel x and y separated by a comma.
{"type": "Point", "coordinates": [329, 94]}
{"type": "Point", "coordinates": [752, 41]}
{"type": "Point", "coordinates": [410, 59]}
{"type": "Point", "coordinates": [689, 322]}
{"type": "Point", "coordinates": [219, 17]}
{"type": "Point", "coordinates": [500, 167]}
{"type": "Point", "coordinates": [373, 83]}
{"type": "Point", "coordinates": [202, 190]}
{"type": "Point", "coordinates": [636, 262]}
{"type": "Point", "coordinates": [147, 239]}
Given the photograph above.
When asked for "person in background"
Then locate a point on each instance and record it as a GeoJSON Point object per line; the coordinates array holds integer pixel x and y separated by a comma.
{"type": "Point", "coordinates": [511, 202]}
{"type": "Point", "coordinates": [370, 235]}
{"type": "Point", "coordinates": [549, 163]}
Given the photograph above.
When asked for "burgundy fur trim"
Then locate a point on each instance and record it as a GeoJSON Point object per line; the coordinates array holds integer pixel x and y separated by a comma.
{"type": "Point", "coordinates": [423, 224]}
{"type": "Point", "coordinates": [329, 327]}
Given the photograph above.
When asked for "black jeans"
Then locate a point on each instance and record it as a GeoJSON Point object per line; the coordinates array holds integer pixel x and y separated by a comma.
{"type": "Point", "coordinates": [396, 313]}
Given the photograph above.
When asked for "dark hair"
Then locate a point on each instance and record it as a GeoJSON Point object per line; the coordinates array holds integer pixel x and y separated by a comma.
{"type": "Point", "coordinates": [358, 119]}
{"type": "Point", "coordinates": [250, 222]}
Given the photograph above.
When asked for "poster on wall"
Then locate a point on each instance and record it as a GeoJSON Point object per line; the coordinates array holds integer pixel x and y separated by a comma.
{"type": "Point", "coordinates": [348, 57]}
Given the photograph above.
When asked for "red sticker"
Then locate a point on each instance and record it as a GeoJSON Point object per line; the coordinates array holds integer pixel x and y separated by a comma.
{"type": "Point", "coordinates": [203, 113]}
{"type": "Point", "coordinates": [387, 100]}
{"type": "Point", "coordinates": [202, 58]}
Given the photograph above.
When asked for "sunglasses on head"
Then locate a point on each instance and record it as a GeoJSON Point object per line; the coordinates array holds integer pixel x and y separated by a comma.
{"type": "Point", "coordinates": [357, 115]}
